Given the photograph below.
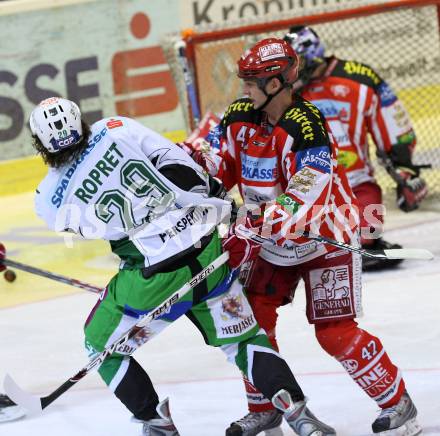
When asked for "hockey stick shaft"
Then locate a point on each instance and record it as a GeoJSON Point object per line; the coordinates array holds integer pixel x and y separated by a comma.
{"type": "Point", "coordinates": [396, 253]}
{"type": "Point", "coordinates": [401, 253]}
{"type": "Point", "coordinates": [36, 404]}
{"type": "Point", "coordinates": [189, 81]}
{"type": "Point", "coordinates": [51, 276]}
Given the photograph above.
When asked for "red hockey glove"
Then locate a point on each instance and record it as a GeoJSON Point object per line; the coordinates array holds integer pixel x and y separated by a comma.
{"type": "Point", "coordinates": [411, 191]}
{"type": "Point", "coordinates": [195, 153]}
{"type": "Point", "coordinates": [2, 256]}
{"type": "Point", "coordinates": [241, 249]}
{"type": "Point", "coordinates": [201, 156]}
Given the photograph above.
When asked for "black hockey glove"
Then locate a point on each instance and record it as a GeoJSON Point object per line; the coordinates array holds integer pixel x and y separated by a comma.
{"type": "Point", "coordinates": [411, 189]}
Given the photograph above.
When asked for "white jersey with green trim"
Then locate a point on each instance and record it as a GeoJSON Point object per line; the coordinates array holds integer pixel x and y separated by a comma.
{"type": "Point", "coordinates": [115, 190]}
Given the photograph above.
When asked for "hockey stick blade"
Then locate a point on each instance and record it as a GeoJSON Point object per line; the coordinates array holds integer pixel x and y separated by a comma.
{"type": "Point", "coordinates": [30, 402]}
{"type": "Point", "coordinates": [408, 253]}
{"type": "Point", "coordinates": [36, 404]}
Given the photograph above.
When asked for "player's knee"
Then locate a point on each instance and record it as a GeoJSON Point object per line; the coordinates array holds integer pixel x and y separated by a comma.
{"type": "Point", "coordinates": [335, 337]}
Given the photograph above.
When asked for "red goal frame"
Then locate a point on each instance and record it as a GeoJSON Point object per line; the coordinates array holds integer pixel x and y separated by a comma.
{"type": "Point", "coordinates": [192, 38]}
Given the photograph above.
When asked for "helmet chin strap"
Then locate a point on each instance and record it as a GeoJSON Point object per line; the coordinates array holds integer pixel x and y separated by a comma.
{"type": "Point", "coordinates": [269, 97]}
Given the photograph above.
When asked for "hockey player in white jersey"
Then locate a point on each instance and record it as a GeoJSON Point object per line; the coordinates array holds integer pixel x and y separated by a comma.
{"type": "Point", "coordinates": [122, 182]}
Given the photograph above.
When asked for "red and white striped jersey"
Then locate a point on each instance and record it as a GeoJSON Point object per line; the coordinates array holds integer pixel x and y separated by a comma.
{"type": "Point", "coordinates": [353, 94]}
{"type": "Point", "coordinates": [292, 169]}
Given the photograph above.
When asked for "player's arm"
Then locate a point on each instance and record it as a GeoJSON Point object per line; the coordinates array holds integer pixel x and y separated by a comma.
{"type": "Point", "coordinates": [215, 150]}
{"type": "Point", "coordinates": [392, 132]}
{"type": "Point", "coordinates": [308, 168]}
{"type": "Point", "coordinates": [172, 162]}
{"type": "Point", "coordinates": [308, 191]}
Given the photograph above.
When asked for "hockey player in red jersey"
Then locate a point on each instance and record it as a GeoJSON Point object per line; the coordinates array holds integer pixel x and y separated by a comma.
{"type": "Point", "coordinates": [276, 148]}
{"type": "Point", "coordinates": [359, 104]}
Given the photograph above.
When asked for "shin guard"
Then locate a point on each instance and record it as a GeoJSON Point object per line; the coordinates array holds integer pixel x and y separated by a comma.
{"type": "Point", "coordinates": [362, 355]}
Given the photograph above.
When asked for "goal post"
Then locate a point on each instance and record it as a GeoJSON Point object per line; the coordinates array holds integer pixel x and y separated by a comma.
{"type": "Point", "coordinates": [399, 39]}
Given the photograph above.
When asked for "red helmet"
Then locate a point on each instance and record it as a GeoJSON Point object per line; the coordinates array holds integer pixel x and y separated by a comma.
{"type": "Point", "coordinates": [269, 58]}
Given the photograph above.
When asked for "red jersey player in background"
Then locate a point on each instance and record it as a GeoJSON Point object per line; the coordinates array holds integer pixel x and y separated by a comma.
{"type": "Point", "coordinates": [276, 147]}
{"type": "Point", "coordinates": [358, 104]}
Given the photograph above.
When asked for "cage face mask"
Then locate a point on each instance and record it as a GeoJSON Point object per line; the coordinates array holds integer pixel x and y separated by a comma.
{"type": "Point", "coordinates": [306, 43]}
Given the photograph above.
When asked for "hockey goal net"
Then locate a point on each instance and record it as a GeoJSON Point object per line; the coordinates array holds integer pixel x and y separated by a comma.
{"type": "Point", "coordinates": [399, 39]}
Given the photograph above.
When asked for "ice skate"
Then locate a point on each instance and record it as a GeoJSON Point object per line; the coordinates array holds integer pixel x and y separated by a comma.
{"type": "Point", "coordinates": [398, 420]}
{"type": "Point", "coordinates": [9, 411]}
{"type": "Point", "coordinates": [300, 419]}
{"type": "Point", "coordinates": [163, 425]}
{"type": "Point", "coordinates": [255, 423]}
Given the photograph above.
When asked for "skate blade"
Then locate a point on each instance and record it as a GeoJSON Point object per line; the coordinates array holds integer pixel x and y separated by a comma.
{"type": "Point", "coordinates": [411, 428]}
{"type": "Point", "coordinates": [11, 413]}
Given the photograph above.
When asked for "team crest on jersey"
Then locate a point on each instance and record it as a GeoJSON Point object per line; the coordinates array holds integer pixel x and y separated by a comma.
{"type": "Point", "coordinates": [350, 365]}
{"type": "Point", "coordinates": [340, 90]}
{"type": "Point", "coordinates": [232, 307]}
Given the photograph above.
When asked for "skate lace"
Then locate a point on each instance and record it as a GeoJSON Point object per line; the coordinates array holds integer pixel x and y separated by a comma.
{"type": "Point", "coordinates": [395, 410]}
{"type": "Point", "coordinates": [252, 419]}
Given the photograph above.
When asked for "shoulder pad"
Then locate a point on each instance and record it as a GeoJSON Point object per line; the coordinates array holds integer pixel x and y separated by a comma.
{"type": "Point", "coordinates": [358, 72]}
{"type": "Point", "coordinates": [304, 119]}
{"type": "Point", "coordinates": [240, 110]}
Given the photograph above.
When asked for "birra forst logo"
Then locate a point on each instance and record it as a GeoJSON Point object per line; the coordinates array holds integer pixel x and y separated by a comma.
{"type": "Point", "coordinates": [352, 67]}
{"type": "Point", "coordinates": [271, 51]}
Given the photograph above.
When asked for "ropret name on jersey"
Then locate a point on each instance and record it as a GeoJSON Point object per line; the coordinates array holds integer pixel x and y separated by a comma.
{"type": "Point", "coordinates": [103, 168]}
{"type": "Point", "coordinates": [263, 169]}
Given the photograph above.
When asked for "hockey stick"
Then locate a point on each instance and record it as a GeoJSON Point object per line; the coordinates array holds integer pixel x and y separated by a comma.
{"type": "Point", "coordinates": [180, 47]}
{"type": "Point", "coordinates": [391, 170]}
{"type": "Point", "coordinates": [392, 253]}
{"type": "Point", "coordinates": [35, 404]}
{"type": "Point", "coordinates": [51, 275]}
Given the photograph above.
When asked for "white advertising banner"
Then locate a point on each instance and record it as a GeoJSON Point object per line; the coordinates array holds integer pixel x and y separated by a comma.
{"type": "Point", "coordinates": [210, 12]}
{"type": "Point", "coordinates": [105, 55]}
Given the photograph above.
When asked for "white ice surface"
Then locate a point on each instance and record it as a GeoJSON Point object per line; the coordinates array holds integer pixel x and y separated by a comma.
{"type": "Point", "coordinates": [42, 346]}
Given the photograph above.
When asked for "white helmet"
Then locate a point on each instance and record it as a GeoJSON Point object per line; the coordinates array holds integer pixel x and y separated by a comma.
{"type": "Point", "coordinates": [57, 123]}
